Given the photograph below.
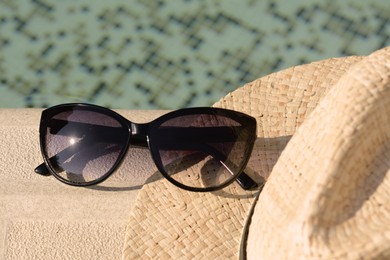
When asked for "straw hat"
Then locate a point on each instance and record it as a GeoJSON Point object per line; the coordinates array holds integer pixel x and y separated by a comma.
{"type": "Point", "coordinates": [328, 195]}
{"type": "Point", "coordinates": [325, 187]}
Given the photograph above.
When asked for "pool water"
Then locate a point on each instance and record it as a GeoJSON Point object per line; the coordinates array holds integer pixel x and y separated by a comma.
{"type": "Point", "coordinates": [170, 54]}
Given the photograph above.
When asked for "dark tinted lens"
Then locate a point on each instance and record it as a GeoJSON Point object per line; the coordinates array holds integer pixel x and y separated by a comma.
{"type": "Point", "coordinates": [203, 150]}
{"type": "Point", "coordinates": [83, 146]}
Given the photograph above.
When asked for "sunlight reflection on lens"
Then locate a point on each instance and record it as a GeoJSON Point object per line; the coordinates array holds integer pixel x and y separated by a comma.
{"type": "Point", "coordinates": [72, 141]}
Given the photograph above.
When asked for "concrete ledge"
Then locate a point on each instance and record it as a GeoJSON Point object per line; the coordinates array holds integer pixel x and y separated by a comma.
{"type": "Point", "coordinates": [41, 218]}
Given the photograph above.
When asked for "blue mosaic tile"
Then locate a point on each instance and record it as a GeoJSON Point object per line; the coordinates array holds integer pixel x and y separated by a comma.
{"type": "Point", "coordinates": [170, 54]}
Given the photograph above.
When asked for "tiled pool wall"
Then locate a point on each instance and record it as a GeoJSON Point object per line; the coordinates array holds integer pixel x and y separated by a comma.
{"type": "Point", "coordinates": [169, 54]}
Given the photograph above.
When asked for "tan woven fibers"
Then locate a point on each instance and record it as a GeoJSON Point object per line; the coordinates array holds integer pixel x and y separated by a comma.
{"type": "Point", "coordinates": [170, 223]}
{"type": "Point", "coordinates": [280, 102]}
{"type": "Point", "coordinates": [328, 194]}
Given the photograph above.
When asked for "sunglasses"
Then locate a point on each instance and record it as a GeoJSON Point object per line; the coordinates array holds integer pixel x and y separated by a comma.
{"type": "Point", "coordinates": [196, 149]}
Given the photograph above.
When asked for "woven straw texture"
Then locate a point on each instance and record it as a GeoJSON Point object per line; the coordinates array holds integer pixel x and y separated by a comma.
{"type": "Point", "coordinates": [280, 102]}
{"type": "Point", "coordinates": [170, 223]}
{"type": "Point", "coordinates": [327, 196]}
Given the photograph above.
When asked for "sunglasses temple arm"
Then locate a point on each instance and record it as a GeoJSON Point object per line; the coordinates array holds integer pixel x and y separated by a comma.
{"type": "Point", "coordinates": [246, 182]}
{"type": "Point", "coordinates": [42, 170]}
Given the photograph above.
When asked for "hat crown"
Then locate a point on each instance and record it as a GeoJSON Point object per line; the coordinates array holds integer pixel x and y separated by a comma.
{"type": "Point", "coordinates": [326, 196]}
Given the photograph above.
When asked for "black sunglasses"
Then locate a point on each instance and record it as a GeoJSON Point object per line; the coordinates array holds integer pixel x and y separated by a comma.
{"type": "Point", "coordinates": [197, 149]}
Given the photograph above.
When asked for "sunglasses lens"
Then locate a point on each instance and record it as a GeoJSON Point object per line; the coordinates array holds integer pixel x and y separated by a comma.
{"type": "Point", "coordinates": [83, 146]}
{"type": "Point", "coordinates": [204, 151]}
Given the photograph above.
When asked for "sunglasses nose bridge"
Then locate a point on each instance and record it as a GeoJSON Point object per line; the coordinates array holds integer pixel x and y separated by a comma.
{"type": "Point", "coordinates": [139, 134]}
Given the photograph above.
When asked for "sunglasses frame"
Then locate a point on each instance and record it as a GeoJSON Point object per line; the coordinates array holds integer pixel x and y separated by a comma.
{"type": "Point", "coordinates": [140, 135]}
